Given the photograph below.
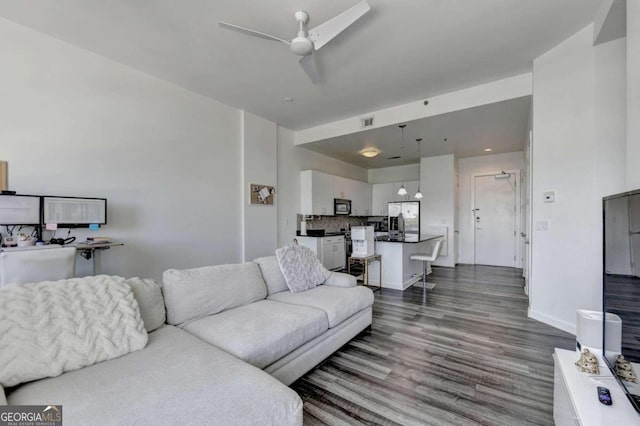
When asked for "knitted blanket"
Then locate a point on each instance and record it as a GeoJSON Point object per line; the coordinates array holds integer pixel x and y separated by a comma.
{"type": "Point", "coordinates": [301, 268]}
{"type": "Point", "coordinates": [51, 327]}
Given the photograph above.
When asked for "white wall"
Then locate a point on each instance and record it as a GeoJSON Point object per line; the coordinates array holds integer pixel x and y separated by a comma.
{"type": "Point", "coordinates": [610, 91]}
{"type": "Point", "coordinates": [437, 183]}
{"type": "Point", "coordinates": [483, 94]}
{"type": "Point", "coordinates": [259, 166]}
{"type": "Point", "coordinates": [409, 172]}
{"type": "Point", "coordinates": [633, 94]}
{"type": "Point", "coordinates": [467, 167]}
{"type": "Point", "coordinates": [292, 160]}
{"type": "Point", "coordinates": [168, 160]}
{"type": "Point", "coordinates": [567, 259]}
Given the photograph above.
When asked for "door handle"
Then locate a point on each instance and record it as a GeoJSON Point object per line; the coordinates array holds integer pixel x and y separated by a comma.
{"type": "Point", "coordinates": [522, 234]}
{"type": "Point", "coordinates": [526, 241]}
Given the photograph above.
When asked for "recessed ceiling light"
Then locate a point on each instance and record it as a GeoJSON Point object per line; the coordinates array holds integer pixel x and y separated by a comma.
{"type": "Point", "coordinates": [287, 99]}
{"type": "Point", "coordinates": [488, 149]}
{"type": "Point", "coordinates": [370, 152]}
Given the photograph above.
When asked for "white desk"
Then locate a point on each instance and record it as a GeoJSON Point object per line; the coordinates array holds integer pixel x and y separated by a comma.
{"type": "Point", "coordinates": [87, 251]}
{"type": "Point", "coordinates": [94, 252]}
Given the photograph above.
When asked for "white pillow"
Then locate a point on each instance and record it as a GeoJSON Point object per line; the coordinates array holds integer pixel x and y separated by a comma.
{"type": "Point", "coordinates": [51, 327]}
{"type": "Point", "coordinates": [190, 294]}
{"type": "Point", "coordinates": [149, 296]}
{"type": "Point", "coordinates": [301, 268]}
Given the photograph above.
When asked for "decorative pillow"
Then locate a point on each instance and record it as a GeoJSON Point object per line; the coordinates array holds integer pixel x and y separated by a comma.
{"type": "Point", "coordinates": [272, 274]}
{"type": "Point", "coordinates": [190, 294]}
{"type": "Point", "coordinates": [150, 301]}
{"type": "Point", "coordinates": [301, 268]}
{"type": "Point", "coordinates": [51, 327]}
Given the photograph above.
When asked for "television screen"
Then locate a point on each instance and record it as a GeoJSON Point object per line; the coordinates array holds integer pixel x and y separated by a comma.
{"type": "Point", "coordinates": [621, 279]}
{"type": "Point", "coordinates": [74, 212]}
{"type": "Point", "coordinates": [19, 210]}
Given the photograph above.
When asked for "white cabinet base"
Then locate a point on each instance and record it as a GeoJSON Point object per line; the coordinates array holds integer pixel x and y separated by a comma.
{"type": "Point", "coordinates": [575, 398]}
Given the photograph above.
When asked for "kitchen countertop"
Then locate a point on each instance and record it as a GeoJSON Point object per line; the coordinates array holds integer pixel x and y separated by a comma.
{"type": "Point", "coordinates": [423, 238]}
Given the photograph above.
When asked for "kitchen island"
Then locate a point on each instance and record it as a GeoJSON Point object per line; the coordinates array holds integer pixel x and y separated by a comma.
{"type": "Point", "coordinates": [398, 272]}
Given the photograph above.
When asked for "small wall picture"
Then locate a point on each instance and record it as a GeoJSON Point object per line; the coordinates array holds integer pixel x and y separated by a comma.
{"type": "Point", "coordinates": [262, 194]}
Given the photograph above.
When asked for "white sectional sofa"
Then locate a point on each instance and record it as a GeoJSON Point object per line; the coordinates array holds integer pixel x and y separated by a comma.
{"type": "Point", "coordinates": [230, 332]}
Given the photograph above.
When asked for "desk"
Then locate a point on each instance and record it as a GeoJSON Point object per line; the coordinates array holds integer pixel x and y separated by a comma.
{"type": "Point", "coordinates": [93, 251]}
{"type": "Point", "coordinates": [365, 261]}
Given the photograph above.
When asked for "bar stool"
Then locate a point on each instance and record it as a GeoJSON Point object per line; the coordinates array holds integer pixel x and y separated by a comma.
{"type": "Point", "coordinates": [431, 257]}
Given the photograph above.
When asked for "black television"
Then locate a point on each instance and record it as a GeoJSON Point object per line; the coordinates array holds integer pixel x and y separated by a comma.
{"type": "Point", "coordinates": [74, 212]}
{"type": "Point", "coordinates": [621, 281]}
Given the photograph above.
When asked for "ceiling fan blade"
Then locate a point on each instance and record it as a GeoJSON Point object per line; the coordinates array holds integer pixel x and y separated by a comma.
{"type": "Point", "coordinates": [324, 33]}
{"type": "Point", "coordinates": [251, 32]}
{"type": "Point", "coordinates": [308, 64]}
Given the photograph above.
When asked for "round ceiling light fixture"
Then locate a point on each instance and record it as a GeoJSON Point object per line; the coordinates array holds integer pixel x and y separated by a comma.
{"type": "Point", "coordinates": [488, 149]}
{"type": "Point", "coordinates": [370, 152]}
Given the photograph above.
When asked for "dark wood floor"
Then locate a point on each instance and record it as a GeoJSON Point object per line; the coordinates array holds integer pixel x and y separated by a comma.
{"type": "Point", "coordinates": [467, 355]}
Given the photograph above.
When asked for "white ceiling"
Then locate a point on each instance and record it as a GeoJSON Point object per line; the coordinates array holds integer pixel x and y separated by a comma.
{"type": "Point", "coordinates": [402, 50]}
{"type": "Point", "coordinates": [501, 126]}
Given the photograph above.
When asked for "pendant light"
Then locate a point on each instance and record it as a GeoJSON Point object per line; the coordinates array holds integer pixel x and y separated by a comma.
{"type": "Point", "coordinates": [402, 190]}
{"type": "Point", "coordinates": [418, 194]}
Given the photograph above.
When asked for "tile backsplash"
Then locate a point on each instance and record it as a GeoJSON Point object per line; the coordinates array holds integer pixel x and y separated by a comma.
{"type": "Point", "coordinates": [332, 223]}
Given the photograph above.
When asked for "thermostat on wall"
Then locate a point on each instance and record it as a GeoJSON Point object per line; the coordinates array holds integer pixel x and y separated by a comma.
{"type": "Point", "coordinates": [549, 196]}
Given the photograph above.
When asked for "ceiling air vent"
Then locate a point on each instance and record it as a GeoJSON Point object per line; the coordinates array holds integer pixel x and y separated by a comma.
{"type": "Point", "coordinates": [367, 122]}
{"type": "Point", "coordinates": [394, 157]}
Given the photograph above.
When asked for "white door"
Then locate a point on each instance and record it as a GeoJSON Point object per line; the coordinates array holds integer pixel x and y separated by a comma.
{"type": "Point", "coordinates": [495, 220]}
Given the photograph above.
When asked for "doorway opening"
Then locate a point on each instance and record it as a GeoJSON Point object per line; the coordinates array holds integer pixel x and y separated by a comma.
{"type": "Point", "coordinates": [496, 218]}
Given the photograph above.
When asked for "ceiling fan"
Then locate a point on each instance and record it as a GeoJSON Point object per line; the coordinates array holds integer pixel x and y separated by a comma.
{"type": "Point", "coordinates": [307, 42]}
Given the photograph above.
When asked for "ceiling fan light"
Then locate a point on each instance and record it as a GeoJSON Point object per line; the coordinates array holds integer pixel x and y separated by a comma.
{"type": "Point", "coordinates": [418, 195]}
{"type": "Point", "coordinates": [370, 152]}
{"type": "Point", "coordinates": [402, 190]}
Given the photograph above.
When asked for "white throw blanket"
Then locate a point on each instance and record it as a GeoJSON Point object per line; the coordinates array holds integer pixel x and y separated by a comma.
{"type": "Point", "coordinates": [301, 268]}
{"type": "Point", "coordinates": [51, 327]}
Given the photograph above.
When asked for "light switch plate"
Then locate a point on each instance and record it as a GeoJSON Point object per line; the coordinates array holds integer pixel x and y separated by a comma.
{"type": "Point", "coordinates": [542, 225]}
{"type": "Point", "coordinates": [549, 196]}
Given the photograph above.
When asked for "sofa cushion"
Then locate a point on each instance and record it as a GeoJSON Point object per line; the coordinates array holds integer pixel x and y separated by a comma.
{"type": "Point", "coordinates": [262, 332]}
{"type": "Point", "coordinates": [176, 379]}
{"type": "Point", "coordinates": [51, 327]}
{"type": "Point", "coordinates": [338, 303]}
{"type": "Point", "coordinates": [272, 274]}
{"type": "Point", "coordinates": [195, 293]}
{"type": "Point", "coordinates": [150, 301]}
{"type": "Point", "coordinates": [301, 268]}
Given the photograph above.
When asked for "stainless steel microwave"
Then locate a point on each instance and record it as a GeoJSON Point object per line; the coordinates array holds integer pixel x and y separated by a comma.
{"type": "Point", "coordinates": [341, 207]}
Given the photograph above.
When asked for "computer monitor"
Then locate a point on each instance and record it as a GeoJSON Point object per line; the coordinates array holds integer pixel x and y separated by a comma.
{"type": "Point", "coordinates": [20, 210]}
{"type": "Point", "coordinates": [74, 212]}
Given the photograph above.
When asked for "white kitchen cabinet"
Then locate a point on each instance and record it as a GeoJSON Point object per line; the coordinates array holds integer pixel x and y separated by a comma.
{"type": "Point", "coordinates": [361, 201]}
{"type": "Point", "coordinates": [319, 189]}
{"type": "Point", "coordinates": [316, 193]}
{"type": "Point", "coordinates": [330, 250]}
{"type": "Point", "coordinates": [380, 197]}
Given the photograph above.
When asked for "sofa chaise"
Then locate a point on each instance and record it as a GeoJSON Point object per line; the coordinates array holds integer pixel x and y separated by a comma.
{"type": "Point", "coordinates": [223, 341]}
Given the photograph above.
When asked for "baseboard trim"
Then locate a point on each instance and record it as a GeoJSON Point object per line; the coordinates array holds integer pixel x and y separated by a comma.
{"type": "Point", "coordinates": [552, 321]}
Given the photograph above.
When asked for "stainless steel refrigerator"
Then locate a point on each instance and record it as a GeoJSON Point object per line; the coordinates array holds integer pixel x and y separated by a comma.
{"type": "Point", "coordinates": [404, 221]}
